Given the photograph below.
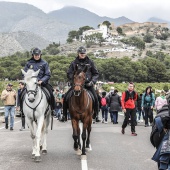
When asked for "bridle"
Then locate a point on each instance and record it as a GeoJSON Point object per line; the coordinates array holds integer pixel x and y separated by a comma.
{"type": "Point", "coordinates": [81, 88]}
{"type": "Point", "coordinates": [34, 92]}
{"type": "Point", "coordinates": [79, 92]}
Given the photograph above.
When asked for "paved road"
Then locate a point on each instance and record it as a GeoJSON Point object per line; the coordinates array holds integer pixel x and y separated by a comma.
{"type": "Point", "coordinates": [110, 149]}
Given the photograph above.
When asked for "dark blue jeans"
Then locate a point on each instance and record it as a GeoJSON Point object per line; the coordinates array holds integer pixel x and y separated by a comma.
{"type": "Point", "coordinates": [104, 112]}
{"type": "Point", "coordinates": [114, 116]}
{"type": "Point", "coordinates": [148, 115]}
{"type": "Point", "coordinates": [139, 112]}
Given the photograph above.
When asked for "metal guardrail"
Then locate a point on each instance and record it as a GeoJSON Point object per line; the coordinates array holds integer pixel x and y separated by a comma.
{"type": "Point", "coordinates": [1, 109]}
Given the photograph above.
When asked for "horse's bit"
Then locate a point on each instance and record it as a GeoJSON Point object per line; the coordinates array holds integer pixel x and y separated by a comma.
{"type": "Point", "coordinates": [81, 86]}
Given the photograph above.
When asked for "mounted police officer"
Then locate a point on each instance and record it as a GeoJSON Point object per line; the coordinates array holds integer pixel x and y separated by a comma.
{"type": "Point", "coordinates": [82, 60]}
{"type": "Point", "coordinates": [36, 63]}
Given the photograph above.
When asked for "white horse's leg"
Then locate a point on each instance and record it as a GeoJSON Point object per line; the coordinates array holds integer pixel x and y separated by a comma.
{"type": "Point", "coordinates": [45, 131]}
{"type": "Point", "coordinates": [31, 127]}
{"type": "Point", "coordinates": [38, 136]}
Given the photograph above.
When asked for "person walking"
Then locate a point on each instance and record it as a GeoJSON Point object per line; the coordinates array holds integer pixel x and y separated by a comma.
{"type": "Point", "coordinates": [58, 109]}
{"type": "Point", "coordinates": [9, 99]}
{"type": "Point", "coordinates": [160, 101]}
{"type": "Point", "coordinates": [140, 112]}
{"type": "Point", "coordinates": [114, 106]}
{"type": "Point", "coordinates": [104, 107]}
{"type": "Point", "coordinates": [147, 104]}
{"type": "Point", "coordinates": [128, 100]}
{"type": "Point", "coordinates": [21, 88]}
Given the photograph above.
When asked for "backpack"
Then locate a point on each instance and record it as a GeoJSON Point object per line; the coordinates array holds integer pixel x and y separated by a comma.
{"type": "Point", "coordinates": [103, 101]}
{"type": "Point", "coordinates": [151, 96]}
{"type": "Point", "coordinates": [157, 134]}
{"type": "Point", "coordinates": [129, 95]}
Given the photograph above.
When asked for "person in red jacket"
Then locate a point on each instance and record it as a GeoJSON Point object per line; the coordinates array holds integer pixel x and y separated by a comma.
{"type": "Point", "coordinates": [128, 106]}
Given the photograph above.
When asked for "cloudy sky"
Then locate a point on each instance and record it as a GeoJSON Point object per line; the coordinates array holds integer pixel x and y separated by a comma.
{"type": "Point", "coordinates": [137, 10]}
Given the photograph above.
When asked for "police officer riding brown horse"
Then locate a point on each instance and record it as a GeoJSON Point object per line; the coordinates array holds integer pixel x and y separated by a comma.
{"type": "Point", "coordinates": [92, 74]}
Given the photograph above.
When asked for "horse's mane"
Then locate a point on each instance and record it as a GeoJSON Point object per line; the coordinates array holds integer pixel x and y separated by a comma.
{"type": "Point", "coordinates": [77, 72]}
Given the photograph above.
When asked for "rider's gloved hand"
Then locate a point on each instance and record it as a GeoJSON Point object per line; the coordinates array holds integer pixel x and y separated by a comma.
{"type": "Point", "coordinates": [89, 84]}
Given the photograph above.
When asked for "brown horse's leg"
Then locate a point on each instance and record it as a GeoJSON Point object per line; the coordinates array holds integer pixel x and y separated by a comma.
{"type": "Point", "coordinates": [88, 132]}
{"type": "Point", "coordinates": [78, 131]}
{"type": "Point", "coordinates": [75, 133]}
{"type": "Point", "coordinates": [84, 137]}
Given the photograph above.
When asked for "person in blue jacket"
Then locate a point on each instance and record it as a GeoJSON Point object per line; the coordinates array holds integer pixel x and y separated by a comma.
{"type": "Point", "coordinates": [36, 63]}
{"type": "Point", "coordinates": [147, 104]}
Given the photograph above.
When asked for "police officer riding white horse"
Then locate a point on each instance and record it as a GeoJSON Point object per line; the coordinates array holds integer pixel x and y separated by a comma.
{"type": "Point", "coordinates": [37, 63]}
{"type": "Point", "coordinates": [92, 74]}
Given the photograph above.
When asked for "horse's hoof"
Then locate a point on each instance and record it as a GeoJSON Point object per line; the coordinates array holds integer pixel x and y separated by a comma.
{"type": "Point", "coordinates": [44, 152]}
{"type": "Point", "coordinates": [83, 157]}
{"type": "Point", "coordinates": [88, 149]}
{"type": "Point", "coordinates": [76, 149]}
{"type": "Point", "coordinates": [37, 159]}
{"type": "Point", "coordinates": [40, 147]}
{"type": "Point", "coordinates": [33, 156]}
{"type": "Point", "coordinates": [78, 152]}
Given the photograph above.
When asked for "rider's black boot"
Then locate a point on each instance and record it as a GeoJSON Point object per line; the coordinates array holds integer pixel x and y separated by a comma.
{"type": "Point", "coordinates": [65, 107]}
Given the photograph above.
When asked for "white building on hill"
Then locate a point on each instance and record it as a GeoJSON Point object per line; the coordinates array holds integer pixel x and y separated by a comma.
{"type": "Point", "coordinates": [102, 29]}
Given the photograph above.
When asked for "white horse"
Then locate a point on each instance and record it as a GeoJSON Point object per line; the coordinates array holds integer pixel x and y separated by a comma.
{"type": "Point", "coordinates": [36, 109]}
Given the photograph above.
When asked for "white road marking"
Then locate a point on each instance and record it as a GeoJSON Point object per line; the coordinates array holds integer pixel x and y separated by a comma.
{"type": "Point", "coordinates": [14, 123]}
{"type": "Point", "coordinates": [83, 162]}
{"type": "Point", "coordinates": [84, 165]}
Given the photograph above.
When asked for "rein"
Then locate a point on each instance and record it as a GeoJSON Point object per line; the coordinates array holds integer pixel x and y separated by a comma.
{"type": "Point", "coordinates": [34, 109]}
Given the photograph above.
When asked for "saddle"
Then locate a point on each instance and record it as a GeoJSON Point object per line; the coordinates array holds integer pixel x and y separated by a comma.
{"type": "Point", "coordinates": [47, 94]}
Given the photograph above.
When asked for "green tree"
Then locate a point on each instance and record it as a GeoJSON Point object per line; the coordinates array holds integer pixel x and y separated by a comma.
{"type": "Point", "coordinates": [107, 23]}
{"type": "Point", "coordinates": [119, 30]}
{"type": "Point", "coordinates": [148, 38]}
{"type": "Point", "coordinates": [84, 28]}
{"type": "Point", "coordinates": [156, 70]}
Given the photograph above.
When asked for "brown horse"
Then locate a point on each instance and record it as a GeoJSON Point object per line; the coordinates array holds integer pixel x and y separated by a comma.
{"type": "Point", "coordinates": [81, 110]}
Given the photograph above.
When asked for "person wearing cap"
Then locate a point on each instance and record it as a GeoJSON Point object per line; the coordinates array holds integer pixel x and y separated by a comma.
{"type": "Point", "coordinates": [37, 63]}
{"type": "Point", "coordinates": [8, 97]}
{"type": "Point", "coordinates": [92, 74]}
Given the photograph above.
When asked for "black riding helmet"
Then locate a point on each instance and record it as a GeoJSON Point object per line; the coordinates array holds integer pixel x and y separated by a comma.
{"type": "Point", "coordinates": [36, 51]}
{"type": "Point", "coordinates": [81, 50]}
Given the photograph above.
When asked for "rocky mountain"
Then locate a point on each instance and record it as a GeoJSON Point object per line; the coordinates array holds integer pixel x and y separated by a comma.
{"type": "Point", "coordinates": [11, 13]}
{"type": "Point", "coordinates": [20, 41]}
{"type": "Point", "coordinates": [81, 17]}
{"type": "Point", "coordinates": [23, 26]}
